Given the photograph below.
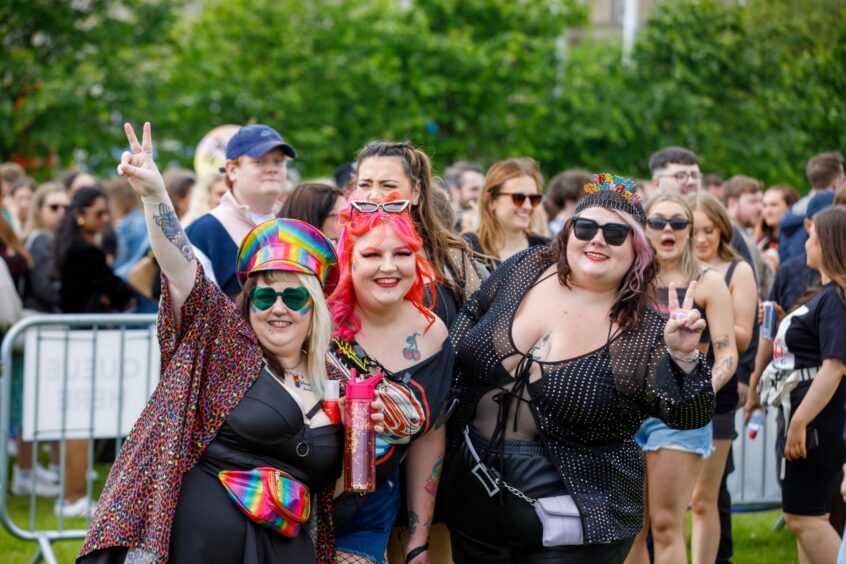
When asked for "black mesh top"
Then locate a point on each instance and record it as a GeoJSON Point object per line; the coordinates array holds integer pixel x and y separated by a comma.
{"type": "Point", "coordinates": [587, 408]}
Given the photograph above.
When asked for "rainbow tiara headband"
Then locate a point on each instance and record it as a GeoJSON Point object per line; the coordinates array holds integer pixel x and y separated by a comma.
{"type": "Point", "coordinates": [606, 182]}
{"type": "Point", "coordinates": [613, 193]}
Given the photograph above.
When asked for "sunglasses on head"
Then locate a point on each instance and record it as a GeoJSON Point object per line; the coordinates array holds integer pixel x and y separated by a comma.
{"type": "Point", "coordinates": [394, 206]}
{"type": "Point", "coordinates": [517, 198]}
{"type": "Point", "coordinates": [57, 207]}
{"type": "Point", "coordinates": [659, 223]}
{"type": "Point", "coordinates": [295, 299]}
{"type": "Point", "coordinates": [614, 233]}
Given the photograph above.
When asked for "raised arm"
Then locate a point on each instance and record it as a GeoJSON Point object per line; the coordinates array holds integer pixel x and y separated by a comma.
{"type": "Point", "coordinates": [167, 238]}
{"type": "Point", "coordinates": [680, 392]}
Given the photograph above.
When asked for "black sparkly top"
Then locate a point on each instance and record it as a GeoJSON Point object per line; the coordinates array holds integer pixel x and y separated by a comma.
{"type": "Point", "coordinates": [587, 408]}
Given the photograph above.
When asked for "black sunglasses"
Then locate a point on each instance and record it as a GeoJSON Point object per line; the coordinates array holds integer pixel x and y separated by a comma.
{"type": "Point", "coordinates": [518, 198]}
{"type": "Point", "coordinates": [614, 233]}
{"type": "Point", "coordinates": [295, 299]}
{"type": "Point", "coordinates": [659, 223]}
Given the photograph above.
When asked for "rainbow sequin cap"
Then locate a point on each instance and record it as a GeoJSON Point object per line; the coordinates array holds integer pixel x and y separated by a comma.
{"type": "Point", "coordinates": [288, 244]}
{"type": "Point", "coordinates": [614, 193]}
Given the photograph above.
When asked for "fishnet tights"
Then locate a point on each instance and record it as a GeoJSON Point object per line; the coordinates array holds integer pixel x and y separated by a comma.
{"type": "Point", "coordinates": [347, 558]}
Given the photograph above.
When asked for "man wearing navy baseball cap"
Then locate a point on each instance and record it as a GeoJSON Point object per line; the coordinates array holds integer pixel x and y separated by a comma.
{"type": "Point", "coordinates": [256, 171]}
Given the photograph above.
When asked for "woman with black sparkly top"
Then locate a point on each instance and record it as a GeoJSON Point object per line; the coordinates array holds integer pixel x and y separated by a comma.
{"type": "Point", "coordinates": [560, 358]}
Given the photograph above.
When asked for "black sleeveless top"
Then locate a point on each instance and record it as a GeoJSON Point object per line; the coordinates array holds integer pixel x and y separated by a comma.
{"type": "Point", "coordinates": [728, 395]}
{"type": "Point", "coordinates": [266, 429]}
{"type": "Point", "coordinates": [428, 382]}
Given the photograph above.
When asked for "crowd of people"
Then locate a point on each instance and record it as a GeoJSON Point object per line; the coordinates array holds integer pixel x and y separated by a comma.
{"type": "Point", "coordinates": [561, 364]}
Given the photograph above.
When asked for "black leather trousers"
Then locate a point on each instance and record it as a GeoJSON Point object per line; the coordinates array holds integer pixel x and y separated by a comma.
{"type": "Point", "coordinates": [504, 528]}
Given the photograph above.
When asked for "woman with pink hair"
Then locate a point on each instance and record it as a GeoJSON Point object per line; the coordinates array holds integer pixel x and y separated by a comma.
{"type": "Point", "coordinates": [383, 326]}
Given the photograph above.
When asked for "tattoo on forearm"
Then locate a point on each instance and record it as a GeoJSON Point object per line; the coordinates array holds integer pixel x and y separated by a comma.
{"type": "Point", "coordinates": [413, 520]}
{"type": "Point", "coordinates": [720, 343]}
{"type": "Point", "coordinates": [169, 224]}
{"type": "Point", "coordinates": [411, 352]}
{"type": "Point", "coordinates": [722, 371]}
{"type": "Point", "coordinates": [432, 481]}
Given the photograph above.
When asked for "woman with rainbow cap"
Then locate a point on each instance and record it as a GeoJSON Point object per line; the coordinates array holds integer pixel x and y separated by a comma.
{"type": "Point", "coordinates": [232, 459]}
{"type": "Point", "coordinates": [559, 358]}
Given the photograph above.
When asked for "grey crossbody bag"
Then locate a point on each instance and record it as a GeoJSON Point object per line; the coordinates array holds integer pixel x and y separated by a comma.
{"type": "Point", "coordinates": [559, 515]}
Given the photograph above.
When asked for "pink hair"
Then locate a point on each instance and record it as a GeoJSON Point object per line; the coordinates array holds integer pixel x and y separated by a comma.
{"type": "Point", "coordinates": [342, 301]}
{"type": "Point", "coordinates": [644, 256]}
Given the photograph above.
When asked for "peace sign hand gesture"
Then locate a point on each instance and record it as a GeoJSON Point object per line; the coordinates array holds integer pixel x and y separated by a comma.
{"type": "Point", "coordinates": [137, 164]}
{"type": "Point", "coordinates": [681, 334]}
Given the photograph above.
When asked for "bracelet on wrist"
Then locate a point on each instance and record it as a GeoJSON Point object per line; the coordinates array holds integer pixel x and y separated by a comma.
{"type": "Point", "coordinates": [415, 552]}
{"type": "Point", "coordinates": [692, 360]}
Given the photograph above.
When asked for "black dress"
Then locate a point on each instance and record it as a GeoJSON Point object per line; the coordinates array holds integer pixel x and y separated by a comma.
{"type": "Point", "coordinates": [265, 429]}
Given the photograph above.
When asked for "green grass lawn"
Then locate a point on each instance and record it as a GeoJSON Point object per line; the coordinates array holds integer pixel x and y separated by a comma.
{"type": "Point", "coordinates": [755, 542]}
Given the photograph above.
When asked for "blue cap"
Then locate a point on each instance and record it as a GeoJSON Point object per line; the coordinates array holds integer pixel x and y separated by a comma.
{"type": "Point", "coordinates": [819, 202]}
{"type": "Point", "coordinates": [255, 141]}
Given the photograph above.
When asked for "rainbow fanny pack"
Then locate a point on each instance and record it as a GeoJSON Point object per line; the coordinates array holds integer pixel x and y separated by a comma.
{"type": "Point", "coordinates": [270, 497]}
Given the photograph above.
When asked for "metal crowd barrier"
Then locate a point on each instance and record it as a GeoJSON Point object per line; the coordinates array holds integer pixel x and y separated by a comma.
{"type": "Point", "coordinates": [754, 482]}
{"type": "Point", "coordinates": [85, 377]}
{"type": "Point", "coordinates": [89, 376]}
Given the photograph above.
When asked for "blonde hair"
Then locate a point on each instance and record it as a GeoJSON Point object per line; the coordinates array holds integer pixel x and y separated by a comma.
{"type": "Point", "coordinates": [316, 344]}
{"type": "Point", "coordinates": [690, 265]}
{"type": "Point", "coordinates": [200, 202]}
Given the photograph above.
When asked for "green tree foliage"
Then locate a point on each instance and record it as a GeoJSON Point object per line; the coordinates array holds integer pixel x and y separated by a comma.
{"type": "Point", "coordinates": [67, 68]}
{"type": "Point", "coordinates": [755, 89]}
{"type": "Point", "coordinates": [460, 77]}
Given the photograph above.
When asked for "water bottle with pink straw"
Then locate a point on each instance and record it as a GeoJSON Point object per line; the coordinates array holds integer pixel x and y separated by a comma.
{"type": "Point", "coordinates": [359, 437]}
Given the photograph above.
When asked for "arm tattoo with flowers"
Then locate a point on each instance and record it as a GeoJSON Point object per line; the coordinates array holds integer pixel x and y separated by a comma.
{"type": "Point", "coordinates": [170, 226]}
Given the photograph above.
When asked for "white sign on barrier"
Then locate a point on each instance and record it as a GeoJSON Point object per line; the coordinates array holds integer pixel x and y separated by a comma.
{"type": "Point", "coordinates": [117, 392]}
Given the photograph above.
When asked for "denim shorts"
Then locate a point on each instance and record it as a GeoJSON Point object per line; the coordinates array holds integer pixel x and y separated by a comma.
{"type": "Point", "coordinates": [654, 435]}
{"type": "Point", "coordinates": [366, 534]}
